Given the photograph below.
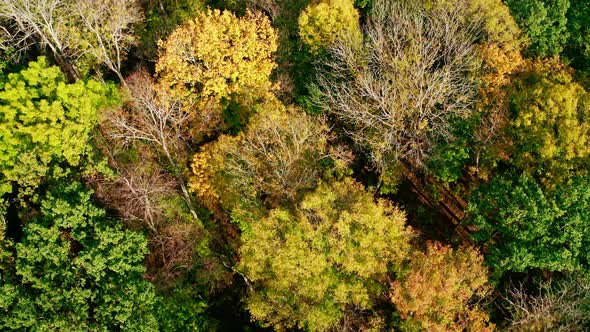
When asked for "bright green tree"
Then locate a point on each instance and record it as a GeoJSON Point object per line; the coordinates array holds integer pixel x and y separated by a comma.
{"type": "Point", "coordinates": [528, 227]}
{"type": "Point", "coordinates": [45, 124]}
{"type": "Point", "coordinates": [308, 267]}
{"type": "Point", "coordinates": [326, 21]}
{"type": "Point", "coordinates": [76, 270]}
{"type": "Point", "coordinates": [555, 27]}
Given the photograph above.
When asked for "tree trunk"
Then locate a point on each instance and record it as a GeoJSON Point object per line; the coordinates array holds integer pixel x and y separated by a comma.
{"type": "Point", "coordinates": [185, 193]}
{"type": "Point", "coordinates": [68, 68]}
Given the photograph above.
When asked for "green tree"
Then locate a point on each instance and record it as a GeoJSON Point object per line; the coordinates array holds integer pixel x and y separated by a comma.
{"type": "Point", "coordinates": [76, 269]}
{"type": "Point", "coordinates": [45, 124]}
{"type": "Point", "coordinates": [527, 226]}
{"type": "Point", "coordinates": [324, 22]}
{"type": "Point", "coordinates": [544, 22]}
{"type": "Point", "coordinates": [327, 259]}
{"type": "Point", "coordinates": [578, 25]}
{"type": "Point", "coordinates": [182, 308]}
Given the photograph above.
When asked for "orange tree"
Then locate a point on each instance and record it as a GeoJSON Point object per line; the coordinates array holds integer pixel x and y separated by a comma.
{"type": "Point", "coordinates": [435, 292]}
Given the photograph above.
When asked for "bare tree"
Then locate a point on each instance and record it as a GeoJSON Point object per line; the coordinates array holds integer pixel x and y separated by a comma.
{"type": "Point", "coordinates": [557, 306]}
{"type": "Point", "coordinates": [109, 25]}
{"type": "Point", "coordinates": [269, 6]}
{"type": "Point", "coordinates": [156, 117]}
{"type": "Point", "coordinates": [140, 193]}
{"type": "Point", "coordinates": [279, 154]}
{"type": "Point", "coordinates": [72, 29]}
{"type": "Point", "coordinates": [398, 93]}
{"type": "Point", "coordinates": [172, 251]}
{"type": "Point", "coordinates": [46, 21]}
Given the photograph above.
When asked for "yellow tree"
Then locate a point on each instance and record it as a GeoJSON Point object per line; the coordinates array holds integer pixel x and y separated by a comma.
{"type": "Point", "coordinates": [316, 266]}
{"type": "Point", "coordinates": [434, 293]}
{"type": "Point", "coordinates": [326, 21]}
{"type": "Point", "coordinates": [550, 126]}
{"type": "Point", "coordinates": [218, 58]}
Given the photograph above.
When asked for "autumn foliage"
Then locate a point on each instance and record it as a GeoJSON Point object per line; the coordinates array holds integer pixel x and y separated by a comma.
{"type": "Point", "coordinates": [218, 55]}
{"type": "Point", "coordinates": [294, 165]}
{"type": "Point", "coordinates": [436, 292]}
{"type": "Point", "coordinates": [327, 21]}
{"type": "Point", "coordinates": [316, 265]}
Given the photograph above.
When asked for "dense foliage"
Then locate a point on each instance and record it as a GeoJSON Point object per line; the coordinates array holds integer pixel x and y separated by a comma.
{"type": "Point", "coordinates": [322, 24]}
{"type": "Point", "coordinates": [327, 259]}
{"type": "Point", "coordinates": [534, 228]}
{"type": "Point", "coordinates": [46, 124]}
{"type": "Point", "coordinates": [301, 165]}
{"type": "Point", "coordinates": [550, 128]}
{"type": "Point", "coordinates": [435, 293]}
{"type": "Point", "coordinates": [74, 267]}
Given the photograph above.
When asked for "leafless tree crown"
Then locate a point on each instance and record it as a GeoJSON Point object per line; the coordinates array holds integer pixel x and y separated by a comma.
{"type": "Point", "coordinates": [156, 117]}
{"type": "Point", "coordinates": [398, 93]}
{"type": "Point", "coordinates": [72, 29]}
{"type": "Point", "coordinates": [557, 306]}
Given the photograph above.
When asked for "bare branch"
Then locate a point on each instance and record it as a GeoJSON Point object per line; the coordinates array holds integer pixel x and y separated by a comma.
{"type": "Point", "coordinates": [157, 117]}
{"type": "Point", "coordinates": [559, 306]}
{"type": "Point", "coordinates": [398, 94]}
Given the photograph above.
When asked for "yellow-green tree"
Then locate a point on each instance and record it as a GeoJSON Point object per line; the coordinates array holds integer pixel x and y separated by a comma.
{"type": "Point", "coordinates": [328, 258]}
{"type": "Point", "coordinates": [500, 45]}
{"type": "Point", "coordinates": [550, 125]}
{"type": "Point", "coordinates": [45, 124]}
{"type": "Point", "coordinates": [219, 56]}
{"type": "Point", "coordinates": [325, 21]}
{"type": "Point", "coordinates": [434, 293]}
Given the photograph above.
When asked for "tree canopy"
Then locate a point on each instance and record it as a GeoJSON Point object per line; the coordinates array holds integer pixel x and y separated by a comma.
{"type": "Point", "coordinates": [217, 55]}
{"type": "Point", "coordinates": [308, 165]}
{"type": "Point", "coordinates": [550, 124]}
{"type": "Point", "coordinates": [435, 292]}
{"type": "Point", "coordinates": [323, 23]}
{"type": "Point", "coordinates": [45, 124]}
{"type": "Point", "coordinates": [530, 227]}
{"type": "Point", "coordinates": [325, 260]}
{"type": "Point", "coordinates": [275, 159]}
{"type": "Point", "coordinates": [76, 268]}
{"type": "Point", "coordinates": [397, 98]}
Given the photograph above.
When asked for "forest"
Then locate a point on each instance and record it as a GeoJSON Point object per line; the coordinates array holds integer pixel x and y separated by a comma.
{"type": "Point", "coordinates": [294, 165]}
